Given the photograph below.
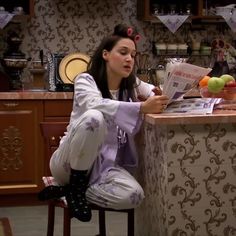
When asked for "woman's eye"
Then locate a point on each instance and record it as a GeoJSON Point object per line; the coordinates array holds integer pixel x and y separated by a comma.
{"type": "Point", "coordinates": [123, 53]}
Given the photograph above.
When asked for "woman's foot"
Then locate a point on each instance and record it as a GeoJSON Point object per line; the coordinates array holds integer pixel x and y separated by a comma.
{"type": "Point", "coordinates": [52, 192]}
{"type": "Point", "coordinates": [78, 205]}
{"type": "Point", "coordinates": [76, 198]}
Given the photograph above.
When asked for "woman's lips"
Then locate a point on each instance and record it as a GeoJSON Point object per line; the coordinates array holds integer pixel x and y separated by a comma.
{"type": "Point", "coordinates": [127, 68]}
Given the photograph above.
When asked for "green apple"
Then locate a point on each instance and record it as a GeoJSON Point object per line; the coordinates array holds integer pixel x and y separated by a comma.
{"type": "Point", "coordinates": [227, 78]}
{"type": "Point", "coordinates": [215, 84]}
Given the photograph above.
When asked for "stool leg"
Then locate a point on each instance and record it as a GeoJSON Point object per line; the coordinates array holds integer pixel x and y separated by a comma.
{"type": "Point", "coordinates": [51, 219]}
{"type": "Point", "coordinates": [131, 222]}
{"type": "Point", "coordinates": [67, 222]}
{"type": "Point", "coordinates": [102, 222]}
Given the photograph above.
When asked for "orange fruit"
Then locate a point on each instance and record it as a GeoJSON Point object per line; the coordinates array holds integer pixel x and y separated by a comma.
{"type": "Point", "coordinates": [204, 81]}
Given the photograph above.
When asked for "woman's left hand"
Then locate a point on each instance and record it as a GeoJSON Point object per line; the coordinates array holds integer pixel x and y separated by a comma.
{"type": "Point", "coordinates": [157, 91]}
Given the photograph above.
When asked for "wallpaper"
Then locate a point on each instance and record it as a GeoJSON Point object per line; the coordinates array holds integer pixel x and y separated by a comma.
{"type": "Point", "coordinates": [67, 26]}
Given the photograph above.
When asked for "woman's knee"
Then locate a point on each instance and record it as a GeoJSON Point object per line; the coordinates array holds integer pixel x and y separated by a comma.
{"type": "Point", "coordinates": [133, 197]}
{"type": "Point", "coordinates": [93, 120]}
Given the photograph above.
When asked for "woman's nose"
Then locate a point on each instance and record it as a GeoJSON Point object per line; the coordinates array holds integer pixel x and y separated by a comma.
{"type": "Point", "coordinates": [129, 57]}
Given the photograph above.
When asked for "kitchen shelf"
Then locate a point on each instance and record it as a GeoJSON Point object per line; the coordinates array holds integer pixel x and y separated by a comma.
{"type": "Point", "coordinates": [145, 10]}
{"type": "Point", "coordinates": [28, 7]}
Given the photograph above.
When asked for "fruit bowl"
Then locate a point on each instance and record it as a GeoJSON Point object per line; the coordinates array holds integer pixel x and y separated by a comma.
{"type": "Point", "coordinates": [227, 93]}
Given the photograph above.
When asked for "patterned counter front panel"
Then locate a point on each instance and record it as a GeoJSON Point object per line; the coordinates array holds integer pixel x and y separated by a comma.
{"type": "Point", "coordinates": [188, 173]}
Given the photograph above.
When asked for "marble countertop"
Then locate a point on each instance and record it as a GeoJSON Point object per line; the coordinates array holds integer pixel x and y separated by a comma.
{"type": "Point", "coordinates": [35, 95]}
{"type": "Point", "coordinates": [219, 115]}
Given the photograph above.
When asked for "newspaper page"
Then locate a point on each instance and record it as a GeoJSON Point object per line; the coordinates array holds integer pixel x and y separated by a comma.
{"type": "Point", "coordinates": [201, 106]}
{"type": "Point", "coordinates": [181, 77]}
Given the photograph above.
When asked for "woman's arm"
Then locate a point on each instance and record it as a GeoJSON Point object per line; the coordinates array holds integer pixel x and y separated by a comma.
{"type": "Point", "coordinates": [87, 96]}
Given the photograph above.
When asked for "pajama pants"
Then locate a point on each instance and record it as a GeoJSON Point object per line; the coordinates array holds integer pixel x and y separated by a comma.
{"type": "Point", "coordinates": [116, 187]}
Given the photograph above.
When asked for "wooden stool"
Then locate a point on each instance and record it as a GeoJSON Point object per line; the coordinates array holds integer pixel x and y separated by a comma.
{"type": "Point", "coordinates": [5, 227]}
{"type": "Point", "coordinates": [52, 133]}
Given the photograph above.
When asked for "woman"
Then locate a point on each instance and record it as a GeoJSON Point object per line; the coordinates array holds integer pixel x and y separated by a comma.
{"type": "Point", "coordinates": [97, 154]}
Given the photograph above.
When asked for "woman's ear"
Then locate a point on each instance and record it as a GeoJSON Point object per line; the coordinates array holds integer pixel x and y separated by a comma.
{"type": "Point", "coordinates": [105, 54]}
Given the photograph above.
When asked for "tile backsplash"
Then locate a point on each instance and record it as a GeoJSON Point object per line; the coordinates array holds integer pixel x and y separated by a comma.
{"type": "Point", "coordinates": [67, 26]}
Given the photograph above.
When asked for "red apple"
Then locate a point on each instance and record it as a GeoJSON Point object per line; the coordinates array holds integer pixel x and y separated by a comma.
{"type": "Point", "coordinates": [230, 84]}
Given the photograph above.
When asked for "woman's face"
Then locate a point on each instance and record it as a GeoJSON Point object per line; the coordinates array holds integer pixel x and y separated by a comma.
{"type": "Point", "coordinates": [120, 60]}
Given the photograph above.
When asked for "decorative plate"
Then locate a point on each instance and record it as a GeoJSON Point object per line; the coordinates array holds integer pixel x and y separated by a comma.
{"type": "Point", "coordinates": [72, 65]}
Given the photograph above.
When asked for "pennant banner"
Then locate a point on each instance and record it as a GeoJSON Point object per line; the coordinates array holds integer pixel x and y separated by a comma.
{"type": "Point", "coordinates": [173, 22]}
{"type": "Point", "coordinates": [4, 19]}
{"type": "Point", "coordinates": [230, 19]}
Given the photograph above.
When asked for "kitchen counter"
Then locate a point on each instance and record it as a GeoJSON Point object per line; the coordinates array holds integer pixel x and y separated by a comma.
{"type": "Point", "coordinates": [222, 116]}
{"type": "Point", "coordinates": [187, 168]}
{"type": "Point", "coordinates": [35, 95]}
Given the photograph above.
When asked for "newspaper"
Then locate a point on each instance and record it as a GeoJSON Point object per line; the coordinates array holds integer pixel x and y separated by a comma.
{"type": "Point", "coordinates": [180, 77]}
{"type": "Point", "coordinates": [200, 106]}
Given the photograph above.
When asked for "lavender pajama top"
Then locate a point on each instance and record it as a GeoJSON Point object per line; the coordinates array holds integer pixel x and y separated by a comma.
{"type": "Point", "coordinates": [123, 122]}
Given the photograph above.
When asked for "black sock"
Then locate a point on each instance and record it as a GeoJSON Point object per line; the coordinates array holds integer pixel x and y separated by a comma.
{"type": "Point", "coordinates": [76, 198]}
{"type": "Point", "coordinates": [52, 192]}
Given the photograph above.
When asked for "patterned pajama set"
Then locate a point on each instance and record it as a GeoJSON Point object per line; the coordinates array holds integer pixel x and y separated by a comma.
{"type": "Point", "coordinates": [100, 138]}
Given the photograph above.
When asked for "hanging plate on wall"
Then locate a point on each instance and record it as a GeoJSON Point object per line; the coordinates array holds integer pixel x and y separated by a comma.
{"type": "Point", "coordinates": [72, 65]}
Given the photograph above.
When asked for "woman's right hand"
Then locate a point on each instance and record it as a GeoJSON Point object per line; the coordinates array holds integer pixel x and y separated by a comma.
{"type": "Point", "coordinates": [154, 104]}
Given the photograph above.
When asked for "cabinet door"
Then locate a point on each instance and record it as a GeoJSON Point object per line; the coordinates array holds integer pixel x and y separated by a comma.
{"type": "Point", "coordinates": [146, 8]}
{"type": "Point", "coordinates": [27, 5]}
{"type": "Point", "coordinates": [55, 111]}
{"type": "Point", "coordinates": [21, 148]}
{"type": "Point", "coordinates": [199, 9]}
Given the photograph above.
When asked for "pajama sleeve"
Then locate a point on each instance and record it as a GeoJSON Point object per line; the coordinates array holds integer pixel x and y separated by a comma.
{"type": "Point", "coordinates": [87, 96]}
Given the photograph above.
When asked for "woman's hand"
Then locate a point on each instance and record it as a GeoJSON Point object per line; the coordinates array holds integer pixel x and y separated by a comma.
{"type": "Point", "coordinates": [156, 91]}
{"type": "Point", "coordinates": [154, 104]}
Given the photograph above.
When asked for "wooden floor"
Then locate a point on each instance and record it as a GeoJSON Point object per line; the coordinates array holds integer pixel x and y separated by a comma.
{"type": "Point", "coordinates": [32, 221]}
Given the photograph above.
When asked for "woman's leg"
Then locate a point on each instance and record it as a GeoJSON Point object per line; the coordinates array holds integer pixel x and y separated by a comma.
{"type": "Point", "coordinates": [80, 148]}
{"type": "Point", "coordinates": [75, 157]}
{"type": "Point", "coordinates": [118, 189]}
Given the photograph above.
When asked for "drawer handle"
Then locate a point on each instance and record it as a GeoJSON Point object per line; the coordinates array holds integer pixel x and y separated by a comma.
{"type": "Point", "coordinates": [11, 104]}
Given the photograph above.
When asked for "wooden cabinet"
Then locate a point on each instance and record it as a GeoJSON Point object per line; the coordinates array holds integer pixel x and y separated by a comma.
{"type": "Point", "coordinates": [57, 110]}
{"type": "Point", "coordinates": [200, 9]}
{"type": "Point", "coordinates": [20, 146]}
{"type": "Point", "coordinates": [22, 161]}
{"type": "Point", "coordinates": [27, 5]}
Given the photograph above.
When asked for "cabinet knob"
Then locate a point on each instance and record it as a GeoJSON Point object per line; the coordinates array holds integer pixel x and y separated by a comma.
{"type": "Point", "coordinates": [11, 104]}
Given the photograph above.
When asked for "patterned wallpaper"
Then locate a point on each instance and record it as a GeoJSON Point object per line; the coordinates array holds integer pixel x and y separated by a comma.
{"type": "Point", "coordinates": [75, 25]}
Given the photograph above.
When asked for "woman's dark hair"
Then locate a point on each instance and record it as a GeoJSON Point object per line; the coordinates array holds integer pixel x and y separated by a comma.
{"type": "Point", "coordinates": [97, 65]}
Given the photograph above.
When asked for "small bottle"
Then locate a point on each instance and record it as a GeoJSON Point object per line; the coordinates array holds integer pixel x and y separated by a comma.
{"type": "Point", "coordinates": [189, 9]}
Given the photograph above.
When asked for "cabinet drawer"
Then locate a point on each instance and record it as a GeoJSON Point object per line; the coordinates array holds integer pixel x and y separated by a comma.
{"type": "Point", "coordinates": [57, 108]}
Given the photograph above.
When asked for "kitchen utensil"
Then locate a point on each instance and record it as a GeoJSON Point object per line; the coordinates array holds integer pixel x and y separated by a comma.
{"type": "Point", "coordinates": [142, 63]}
